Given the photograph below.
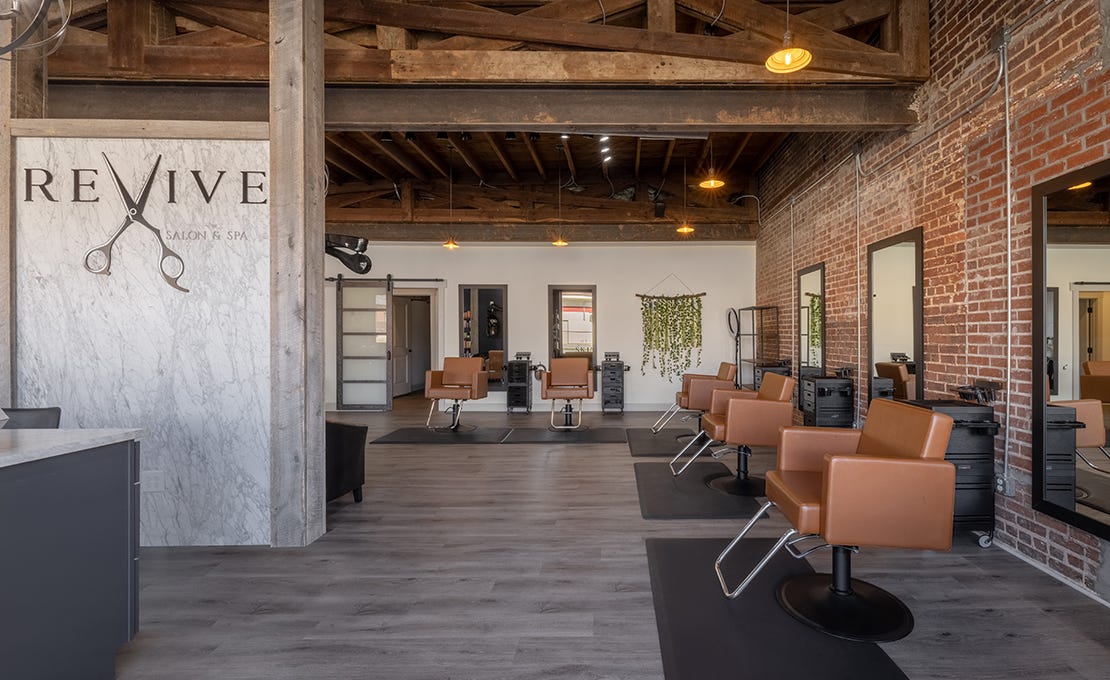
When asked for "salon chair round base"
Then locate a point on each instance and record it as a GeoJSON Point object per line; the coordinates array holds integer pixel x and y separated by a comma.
{"type": "Point", "coordinates": [731, 484]}
{"type": "Point", "coordinates": [867, 614]}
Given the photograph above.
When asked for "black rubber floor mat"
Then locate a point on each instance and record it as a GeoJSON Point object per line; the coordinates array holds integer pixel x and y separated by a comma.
{"type": "Point", "coordinates": [641, 442]}
{"type": "Point", "coordinates": [664, 496]}
{"type": "Point", "coordinates": [422, 435]}
{"type": "Point", "coordinates": [537, 435]}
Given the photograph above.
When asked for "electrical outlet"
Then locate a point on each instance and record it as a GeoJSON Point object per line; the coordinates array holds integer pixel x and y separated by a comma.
{"type": "Point", "coordinates": [152, 481]}
{"type": "Point", "coordinates": [1000, 484]}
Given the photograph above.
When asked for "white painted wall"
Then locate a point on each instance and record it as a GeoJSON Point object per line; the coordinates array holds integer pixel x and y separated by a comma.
{"type": "Point", "coordinates": [127, 350]}
{"type": "Point", "coordinates": [725, 272]}
{"type": "Point", "coordinates": [1067, 265]}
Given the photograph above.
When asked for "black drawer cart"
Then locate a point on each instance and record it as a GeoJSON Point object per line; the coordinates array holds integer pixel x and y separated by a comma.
{"type": "Point", "coordinates": [827, 401]}
{"type": "Point", "coordinates": [518, 383]}
{"type": "Point", "coordinates": [971, 450]}
{"type": "Point", "coordinates": [612, 371]}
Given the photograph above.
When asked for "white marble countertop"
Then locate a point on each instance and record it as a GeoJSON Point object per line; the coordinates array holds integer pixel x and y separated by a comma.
{"type": "Point", "coordinates": [25, 446]}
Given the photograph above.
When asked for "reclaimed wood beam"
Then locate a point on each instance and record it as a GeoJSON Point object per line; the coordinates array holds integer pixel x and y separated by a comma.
{"type": "Point", "coordinates": [765, 20]}
{"type": "Point", "coordinates": [217, 36]}
{"type": "Point", "coordinates": [575, 34]}
{"type": "Point", "coordinates": [565, 146]}
{"type": "Point", "coordinates": [848, 13]}
{"type": "Point", "coordinates": [336, 156]}
{"type": "Point", "coordinates": [661, 15]}
{"type": "Point", "coordinates": [430, 156]}
{"type": "Point", "coordinates": [471, 161]}
{"type": "Point", "coordinates": [498, 151]}
{"type": "Point", "coordinates": [526, 137]}
{"type": "Point", "coordinates": [667, 156]}
{"type": "Point", "coordinates": [636, 162]}
{"type": "Point", "coordinates": [350, 144]}
{"type": "Point", "coordinates": [128, 33]}
{"type": "Point", "coordinates": [1079, 234]}
{"type": "Point", "coordinates": [567, 10]}
{"type": "Point", "coordinates": [391, 151]}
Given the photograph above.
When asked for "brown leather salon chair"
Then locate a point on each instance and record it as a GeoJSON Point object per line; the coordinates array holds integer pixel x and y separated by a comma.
{"type": "Point", "coordinates": [885, 485]}
{"type": "Point", "coordinates": [495, 365]}
{"type": "Point", "coordinates": [698, 386]}
{"type": "Point", "coordinates": [1094, 380]}
{"type": "Point", "coordinates": [1093, 433]}
{"type": "Point", "coordinates": [905, 385]}
{"type": "Point", "coordinates": [461, 379]}
{"type": "Point", "coordinates": [570, 379]}
{"type": "Point", "coordinates": [745, 418]}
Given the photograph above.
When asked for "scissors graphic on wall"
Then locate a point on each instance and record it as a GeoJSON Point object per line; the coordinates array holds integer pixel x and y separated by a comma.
{"type": "Point", "coordinates": [99, 259]}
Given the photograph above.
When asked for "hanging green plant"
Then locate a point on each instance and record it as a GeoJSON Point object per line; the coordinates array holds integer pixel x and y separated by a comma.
{"type": "Point", "coordinates": [672, 332]}
{"type": "Point", "coordinates": [816, 327]}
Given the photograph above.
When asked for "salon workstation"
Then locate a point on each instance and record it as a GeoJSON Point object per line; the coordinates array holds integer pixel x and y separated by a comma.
{"type": "Point", "coordinates": [645, 340]}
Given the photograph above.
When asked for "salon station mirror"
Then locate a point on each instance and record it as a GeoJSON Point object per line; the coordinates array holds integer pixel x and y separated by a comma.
{"type": "Point", "coordinates": [483, 328]}
{"type": "Point", "coordinates": [811, 320]}
{"type": "Point", "coordinates": [1071, 341]}
{"type": "Point", "coordinates": [895, 316]}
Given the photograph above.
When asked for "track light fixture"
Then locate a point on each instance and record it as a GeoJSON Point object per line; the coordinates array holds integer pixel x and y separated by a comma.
{"type": "Point", "coordinates": [386, 137]}
{"type": "Point", "coordinates": [410, 136]}
{"type": "Point", "coordinates": [465, 136]}
{"type": "Point", "coordinates": [510, 136]}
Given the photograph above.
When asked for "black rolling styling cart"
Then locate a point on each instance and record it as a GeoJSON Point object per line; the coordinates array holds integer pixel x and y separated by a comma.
{"type": "Point", "coordinates": [971, 450]}
{"type": "Point", "coordinates": [1059, 455]}
{"type": "Point", "coordinates": [518, 386]}
{"type": "Point", "coordinates": [760, 371]}
{"type": "Point", "coordinates": [827, 401]}
{"type": "Point", "coordinates": [612, 383]}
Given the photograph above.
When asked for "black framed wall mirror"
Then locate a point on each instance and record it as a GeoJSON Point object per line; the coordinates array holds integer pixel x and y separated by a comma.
{"type": "Point", "coordinates": [484, 328]}
{"type": "Point", "coordinates": [811, 320]}
{"type": "Point", "coordinates": [1071, 342]}
{"type": "Point", "coordinates": [895, 313]}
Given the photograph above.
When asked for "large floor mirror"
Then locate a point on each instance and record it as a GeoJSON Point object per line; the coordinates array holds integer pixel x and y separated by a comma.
{"type": "Point", "coordinates": [811, 320]}
{"type": "Point", "coordinates": [483, 328]}
{"type": "Point", "coordinates": [896, 339]}
{"type": "Point", "coordinates": [1071, 315]}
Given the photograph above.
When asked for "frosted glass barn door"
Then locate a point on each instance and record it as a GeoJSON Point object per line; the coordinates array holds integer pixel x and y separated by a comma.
{"type": "Point", "coordinates": [363, 374]}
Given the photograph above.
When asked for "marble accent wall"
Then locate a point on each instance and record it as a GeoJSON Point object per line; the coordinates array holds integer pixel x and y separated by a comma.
{"type": "Point", "coordinates": [130, 350]}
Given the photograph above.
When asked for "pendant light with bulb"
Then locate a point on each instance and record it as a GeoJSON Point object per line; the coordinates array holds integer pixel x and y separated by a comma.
{"type": "Point", "coordinates": [684, 228]}
{"type": "Point", "coordinates": [451, 243]}
{"type": "Point", "coordinates": [559, 241]}
{"type": "Point", "coordinates": [790, 58]}
{"type": "Point", "coordinates": [711, 181]}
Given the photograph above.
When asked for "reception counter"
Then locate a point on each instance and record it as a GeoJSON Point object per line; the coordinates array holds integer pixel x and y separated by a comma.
{"type": "Point", "coordinates": [69, 535]}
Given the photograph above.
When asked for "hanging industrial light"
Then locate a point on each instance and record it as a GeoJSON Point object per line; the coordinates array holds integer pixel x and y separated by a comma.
{"type": "Point", "coordinates": [789, 58]}
{"type": "Point", "coordinates": [559, 242]}
{"type": "Point", "coordinates": [451, 243]}
{"type": "Point", "coordinates": [685, 227]}
{"type": "Point", "coordinates": [711, 181]}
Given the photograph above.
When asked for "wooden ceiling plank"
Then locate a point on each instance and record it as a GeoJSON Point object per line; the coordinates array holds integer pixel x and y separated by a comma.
{"type": "Point", "coordinates": [498, 151]}
{"type": "Point", "coordinates": [429, 156]}
{"type": "Point", "coordinates": [561, 32]}
{"type": "Point", "coordinates": [81, 36]}
{"type": "Point", "coordinates": [378, 231]}
{"type": "Point", "coordinates": [464, 152]}
{"type": "Point", "coordinates": [390, 150]}
{"type": "Point", "coordinates": [848, 13]}
{"type": "Point", "coordinates": [636, 162]}
{"type": "Point", "coordinates": [250, 24]}
{"type": "Point", "coordinates": [336, 157]}
{"type": "Point", "coordinates": [568, 10]}
{"type": "Point", "coordinates": [350, 146]}
{"type": "Point", "coordinates": [533, 152]}
{"type": "Point", "coordinates": [128, 33]}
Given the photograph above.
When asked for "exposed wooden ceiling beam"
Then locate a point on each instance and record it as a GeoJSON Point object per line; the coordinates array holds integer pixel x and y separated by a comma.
{"type": "Point", "coordinates": [350, 146]}
{"type": "Point", "coordinates": [430, 157]}
{"type": "Point", "coordinates": [667, 155]}
{"type": "Point", "coordinates": [570, 159]}
{"type": "Point", "coordinates": [567, 10]}
{"type": "Point", "coordinates": [576, 34]}
{"type": "Point", "coordinates": [498, 151]}
{"type": "Point", "coordinates": [128, 33]}
{"type": "Point", "coordinates": [848, 13]}
{"type": "Point", "coordinates": [470, 159]}
{"type": "Point", "coordinates": [636, 162]}
{"type": "Point", "coordinates": [376, 231]}
{"type": "Point", "coordinates": [526, 137]}
{"type": "Point", "coordinates": [394, 154]}
{"type": "Point", "coordinates": [335, 156]}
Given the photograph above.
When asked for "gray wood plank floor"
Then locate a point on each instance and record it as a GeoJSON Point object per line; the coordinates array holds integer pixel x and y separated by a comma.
{"type": "Point", "coordinates": [527, 561]}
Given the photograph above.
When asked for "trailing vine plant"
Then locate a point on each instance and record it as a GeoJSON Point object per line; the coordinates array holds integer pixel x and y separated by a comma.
{"type": "Point", "coordinates": [816, 327]}
{"type": "Point", "coordinates": [672, 332]}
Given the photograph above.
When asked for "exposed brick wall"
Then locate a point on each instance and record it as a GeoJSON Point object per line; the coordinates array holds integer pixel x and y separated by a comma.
{"type": "Point", "coordinates": [950, 180]}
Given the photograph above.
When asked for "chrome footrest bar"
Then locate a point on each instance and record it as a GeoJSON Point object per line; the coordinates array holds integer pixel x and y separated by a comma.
{"type": "Point", "coordinates": [662, 421]}
{"type": "Point", "coordinates": [700, 451]}
{"type": "Point", "coordinates": [731, 594]}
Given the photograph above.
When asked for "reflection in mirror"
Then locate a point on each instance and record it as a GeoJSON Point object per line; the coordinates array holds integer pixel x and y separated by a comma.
{"type": "Point", "coordinates": [573, 327]}
{"type": "Point", "coordinates": [811, 320]}
{"type": "Point", "coordinates": [483, 328]}
{"type": "Point", "coordinates": [895, 314]}
{"type": "Point", "coordinates": [1072, 310]}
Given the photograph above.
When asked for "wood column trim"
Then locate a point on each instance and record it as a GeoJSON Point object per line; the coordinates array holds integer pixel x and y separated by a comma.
{"type": "Point", "coordinates": [297, 272]}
